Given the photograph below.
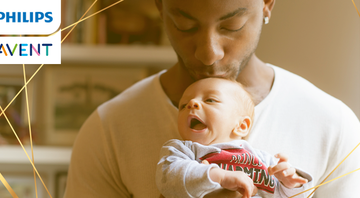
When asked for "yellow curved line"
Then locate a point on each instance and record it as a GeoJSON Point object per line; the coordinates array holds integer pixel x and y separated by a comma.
{"type": "Point", "coordinates": [30, 133]}
{"type": "Point", "coordinates": [78, 21]}
{"type": "Point", "coordinates": [356, 8]}
{"type": "Point", "coordinates": [92, 15]}
{"type": "Point", "coordinates": [353, 149]}
{"type": "Point", "coordinates": [22, 146]}
{"type": "Point", "coordinates": [335, 168]}
{"type": "Point", "coordinates": [61, 42]}
{"type": "Point", "coordinates": [2, 112]}
{"type": "Point", "coordinates": [326, 182]}
{"type": "Point", "coordinates": [8, 187]}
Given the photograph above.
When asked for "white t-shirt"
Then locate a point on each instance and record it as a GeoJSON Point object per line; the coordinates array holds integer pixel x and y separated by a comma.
{"type": "Point", "coordinates": [117, 149]}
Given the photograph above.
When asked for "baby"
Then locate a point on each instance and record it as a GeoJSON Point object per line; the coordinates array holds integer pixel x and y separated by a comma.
{"type": "Point", "coordinates": [214, 116]}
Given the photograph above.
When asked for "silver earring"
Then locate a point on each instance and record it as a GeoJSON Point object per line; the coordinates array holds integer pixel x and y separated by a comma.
{"type": "Point", "coordinates": [266, 20]}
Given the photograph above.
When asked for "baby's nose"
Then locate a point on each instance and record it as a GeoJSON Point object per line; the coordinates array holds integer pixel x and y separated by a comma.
{"type": "Point", "coordinates": [193, 105]}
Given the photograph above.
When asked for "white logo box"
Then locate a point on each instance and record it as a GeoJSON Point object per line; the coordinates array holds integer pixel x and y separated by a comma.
{"type": "Point", "coordinates": [34, 50]}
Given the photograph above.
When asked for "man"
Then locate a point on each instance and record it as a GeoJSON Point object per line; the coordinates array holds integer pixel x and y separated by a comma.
{"type": "Point", "coordinates": [117, 149]}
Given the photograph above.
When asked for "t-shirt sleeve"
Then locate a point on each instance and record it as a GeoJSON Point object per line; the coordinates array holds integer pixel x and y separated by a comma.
{"type": "Point", "coordinates": [348, 139]}
{"type": "Point", "coordinates": [93, 170]}
{"type": "Point", "coordinates": [178, 174]}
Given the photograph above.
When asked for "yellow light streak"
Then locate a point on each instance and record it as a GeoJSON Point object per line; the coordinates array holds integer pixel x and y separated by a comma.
{"type": "Point", "coordinates": [335, 168]}
{"type": "Point", "coordinates": [1, 113]}
{"type": "Point", "coordinates": [22, 146]}
{"type": "Point", "coordinates": [325, 182]}
{"type": "Point", "coordinates": [79, 20]}
{"type": "Point", "coordinates": [7, 186]}
{"type": "Point", "coordinates": [29, 120]}
{"type": "Point", "coordinates": [92, 15]}
{"type": "Point", "coordinates": [352, 150]}
{"type": "Point", "coordinates": [356, 8]}
{"type": "Point", "coordinates": [29, 123]}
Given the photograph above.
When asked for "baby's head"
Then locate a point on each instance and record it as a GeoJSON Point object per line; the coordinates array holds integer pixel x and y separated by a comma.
{"type": "Point", "coordinates": [215, 110]}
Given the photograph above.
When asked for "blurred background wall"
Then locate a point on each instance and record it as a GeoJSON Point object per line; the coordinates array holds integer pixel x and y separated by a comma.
{"type": "Point", "coordinates": [318, 40]}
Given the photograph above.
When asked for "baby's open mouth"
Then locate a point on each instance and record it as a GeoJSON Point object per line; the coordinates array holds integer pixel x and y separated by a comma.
{"type": "Point", "coordinates": [197, 124]}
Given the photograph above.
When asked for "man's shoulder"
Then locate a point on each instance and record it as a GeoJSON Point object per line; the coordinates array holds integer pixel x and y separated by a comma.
{"type": "Point", "coordinates": [298, 92]}
{"type": "Point", "coordinates": [294, 85]}
{"type": "Point", "coordinates": [135, 97]}
{"type": "Point", "coordinates": [140, 89]}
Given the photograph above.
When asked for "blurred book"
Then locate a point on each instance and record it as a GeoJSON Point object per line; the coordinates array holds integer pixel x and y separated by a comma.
{"type": "Point", "coordinates": [68, 17]}
{"type": "Point", "coordinates": [90, 25]}
{"type": "Point", "coordinates": [129, 22]}
{"type": "Point", "coordinates": [133, 22]}
{"type": "Point", "coordinates": [102, 33]}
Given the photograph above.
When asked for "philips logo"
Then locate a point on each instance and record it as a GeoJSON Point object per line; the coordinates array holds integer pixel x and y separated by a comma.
{"type": "Point", "coordinates": [29, 17]}
{"type": "Point", "coordinates": [24, 20]}
{"type": "Point", "coordinates": [26, 17]}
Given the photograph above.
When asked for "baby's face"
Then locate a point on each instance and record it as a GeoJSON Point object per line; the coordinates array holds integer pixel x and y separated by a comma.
{"type": "Point", "coordinates": [208, 111]}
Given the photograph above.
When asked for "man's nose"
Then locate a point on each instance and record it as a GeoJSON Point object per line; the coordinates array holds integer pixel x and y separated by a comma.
{"type": "Point", "coordinates": [193, 104]}
{"type": "Point", "coordinates": [209, 49]}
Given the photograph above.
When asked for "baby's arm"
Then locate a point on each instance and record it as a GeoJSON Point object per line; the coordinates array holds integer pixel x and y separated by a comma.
{"type": "Point", "coordinates": [178, 174]}
{"type": "Point", "coordinates": [234, 181]}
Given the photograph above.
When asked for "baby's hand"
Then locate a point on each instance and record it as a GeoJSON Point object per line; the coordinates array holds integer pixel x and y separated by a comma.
{"type": "Point", "coordinates": [205, 162]}
{"type": "Point", "coordinates": [285, 174]}
{"type": "Point", "coordinates": [234, 181]}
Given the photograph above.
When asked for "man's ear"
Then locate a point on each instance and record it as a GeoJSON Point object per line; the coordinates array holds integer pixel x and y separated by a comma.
{"type": "Point", "coordinates": [268, 6]}
{"type": "Point", "coordinates": [159, 5]}
{"type": "Point", "coordinates": [243, 127]}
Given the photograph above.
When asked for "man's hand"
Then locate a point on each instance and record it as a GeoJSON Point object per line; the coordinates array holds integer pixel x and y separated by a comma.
{"type": "Point", "coordinates": [285, 174]}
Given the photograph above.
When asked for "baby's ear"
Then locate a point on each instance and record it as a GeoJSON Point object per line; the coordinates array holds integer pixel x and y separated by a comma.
{"type": "Point", "coordinates": [243, 127]}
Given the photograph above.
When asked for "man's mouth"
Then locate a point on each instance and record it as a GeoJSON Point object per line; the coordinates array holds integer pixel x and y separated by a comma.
{"type": "Point", "coordinates": [207, 73]}
{"type": "Point", "coordinates": [197, 124]}
{"type": "Point", "coordinates": [202, 76]}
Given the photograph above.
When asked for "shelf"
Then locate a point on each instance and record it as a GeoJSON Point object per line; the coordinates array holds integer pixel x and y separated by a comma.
{"type": "Point", "coordinates": [49, 162]}
{"type": "Point", "coordinates": [43, 155]}
{"type": "Point", "coordinates": [162, 56]}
